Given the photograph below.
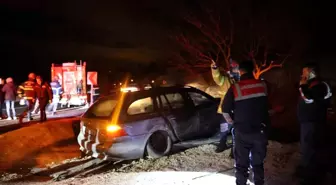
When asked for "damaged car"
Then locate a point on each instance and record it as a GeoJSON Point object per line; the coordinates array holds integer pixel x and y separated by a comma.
{"type": "Point", "coordinates": [141, 123]}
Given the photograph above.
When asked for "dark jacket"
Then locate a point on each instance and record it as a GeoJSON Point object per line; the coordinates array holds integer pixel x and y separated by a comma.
{"type": "Point", "coordinates": [9, 89]}
{"type": "Point", "coordinates": [2, 97]}
{"type": "Point", "coordinates": [26, 90]}
{"type": "Point", "coordinates": [43, 92]}
{"type": "Point", "coordinates": [315, 98]}
{"type": "Point", "coordinates": [248, 100]}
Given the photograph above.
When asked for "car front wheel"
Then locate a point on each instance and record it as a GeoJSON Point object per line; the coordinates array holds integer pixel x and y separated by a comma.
{"type": "Point", "coordinates": [159, 144]}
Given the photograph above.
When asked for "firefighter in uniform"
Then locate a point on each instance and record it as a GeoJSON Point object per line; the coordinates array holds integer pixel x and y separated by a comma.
{"type": "Point", "coordinates": [224, 82]}
{"type": "Point", "coordinates": [57, 91]}
{"type": "Point", "coordinates": [27, 92]}
{"type": "Point", "coordinates": [44, 96]}
{"type": "Point", "coordinates": [248, 100]}
{"type": "Point", "coordinates": [312, 114]}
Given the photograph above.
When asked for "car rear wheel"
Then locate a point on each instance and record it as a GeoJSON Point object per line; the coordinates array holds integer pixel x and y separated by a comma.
{"type": "Point", "coordinates": [159, 144]}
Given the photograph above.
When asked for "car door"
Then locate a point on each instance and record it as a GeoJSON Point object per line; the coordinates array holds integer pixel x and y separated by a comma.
{"type": "Point", "coordinates": [141, 115]}
{"type": "Point", "coordinates": [206, 107]}
{"type": "Point", "coordinates": [181, 114]}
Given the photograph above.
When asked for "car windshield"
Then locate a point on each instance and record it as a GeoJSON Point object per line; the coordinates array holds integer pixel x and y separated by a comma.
{"type": "Point", "coordinates": [103, 108]}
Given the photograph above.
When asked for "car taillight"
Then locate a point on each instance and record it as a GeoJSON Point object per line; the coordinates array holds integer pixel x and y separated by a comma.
{"type": "Point", "coordinates": [115, 131]}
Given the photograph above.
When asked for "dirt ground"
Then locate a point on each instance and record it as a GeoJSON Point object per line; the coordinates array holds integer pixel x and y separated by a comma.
{"type": "Point", "coordinates": [194, 166]}
{"type": "Point", "coordinates": [199, 165]}
{"type": "Point", "coordinates": [54, 143]}
{"type": "Point", "coordinates": [38, 145]}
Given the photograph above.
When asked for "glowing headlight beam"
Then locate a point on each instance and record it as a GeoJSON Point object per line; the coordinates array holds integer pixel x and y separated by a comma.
{"type": "Point", "coordinates": [128, 89]}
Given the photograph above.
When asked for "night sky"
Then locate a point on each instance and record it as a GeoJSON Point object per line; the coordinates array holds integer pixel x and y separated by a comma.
{"type": "Point", "coordinates": [112, 33]}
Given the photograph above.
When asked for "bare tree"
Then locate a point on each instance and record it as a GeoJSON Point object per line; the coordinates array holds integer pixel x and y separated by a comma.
{"type": "Point", "coordinates": [262, 47]}
{"type": "Point", "coordinates": [215, 45]}
{"type": "Point", "coordinates": [263, 63]}
{"type": "Point", "coordinates": [182, 63]}
{"type": "Point", "coordinates": [228, 33]}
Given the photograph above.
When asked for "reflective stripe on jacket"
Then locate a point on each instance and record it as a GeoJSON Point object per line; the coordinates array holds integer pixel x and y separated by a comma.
{"type": "Point", "coordinates": [247, 89]}
{"type": "Point", "coordinates": [311, 100]}
{"type": "Point", "coordinates": [27, 90]}
{"type": "Point", "coordinates": [246, 105]}
{"type": "Point", "coordinates": [315, 98]}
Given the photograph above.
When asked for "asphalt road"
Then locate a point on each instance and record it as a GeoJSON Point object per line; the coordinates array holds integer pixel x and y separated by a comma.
{"type": "Point", "coordinates": [10, 125]}
{"type": "Point", "coordinates": [19, 109]}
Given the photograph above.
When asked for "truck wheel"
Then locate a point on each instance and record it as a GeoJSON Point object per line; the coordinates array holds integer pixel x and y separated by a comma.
{"type": "Point", "coordinates": [159, 144]}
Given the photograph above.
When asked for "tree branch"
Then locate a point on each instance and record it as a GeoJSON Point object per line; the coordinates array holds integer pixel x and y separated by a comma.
{"type": "Point", "coordinates": [194, 49]}
{"type": "Point", "coordinates": [213, 34]}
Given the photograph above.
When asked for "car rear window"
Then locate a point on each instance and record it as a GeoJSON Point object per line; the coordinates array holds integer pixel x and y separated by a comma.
{"type": "Point", "coordinates": [103, 108]}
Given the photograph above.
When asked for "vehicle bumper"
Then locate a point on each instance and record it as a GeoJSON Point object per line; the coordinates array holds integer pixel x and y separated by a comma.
{"type": "Point", "coordinates": [122, 148]}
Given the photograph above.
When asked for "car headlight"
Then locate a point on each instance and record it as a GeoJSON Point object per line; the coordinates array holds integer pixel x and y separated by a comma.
{"type": "Point", "coordinates": [129, 89]}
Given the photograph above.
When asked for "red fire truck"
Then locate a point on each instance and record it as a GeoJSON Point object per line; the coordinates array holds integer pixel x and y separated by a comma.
{"type": "Point", "coordinates": [72, 77]}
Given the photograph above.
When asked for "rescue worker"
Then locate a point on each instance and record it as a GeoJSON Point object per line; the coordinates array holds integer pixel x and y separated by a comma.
{"type": "Point", "coordinates": [224, 81]}
{"type": "Point", "coordinates": [312, 114]}
{"type": "Point", "coordinates": [56, 91]}
{"type": "Point", "coordinates": [27, 92]}
{"type": "Point", "coordinates": [248, 100]}
{"type": "Point", "coordinates": [44, 95]}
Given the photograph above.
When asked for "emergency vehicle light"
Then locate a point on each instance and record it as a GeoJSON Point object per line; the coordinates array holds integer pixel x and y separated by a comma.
{"type": "Point", "coordinates": [147, 87]}
{"type": "Point", "coordinates": [129, 89]}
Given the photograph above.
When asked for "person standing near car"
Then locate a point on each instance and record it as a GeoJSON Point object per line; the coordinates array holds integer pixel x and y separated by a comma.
{"type": "Point", "coordinates": [312, 115]}
{"type": "Point", "coordinates": [1, 98]}
{"type": "Point", "coordinates": [249, 102]}
{"type": "Point", "coordinates": [224, 82]}
{"type": "Point", "coordinates": [27, 92]}
{"type": "Point", "coordinates": [56, 91]}
{"type": "Point", "coordinates": [9, 89]}
{"type": "Point", "coordinates": [44, 95]}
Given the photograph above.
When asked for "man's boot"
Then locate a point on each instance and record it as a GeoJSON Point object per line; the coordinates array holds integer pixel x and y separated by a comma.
{"type": "Point", "coordinates": [231, 153]}
{"type": "Point", "coordinates": [221, 147]}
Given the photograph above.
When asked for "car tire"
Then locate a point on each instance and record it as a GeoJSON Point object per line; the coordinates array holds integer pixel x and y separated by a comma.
{"type": "Point", "coordinates": [158, 145]}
